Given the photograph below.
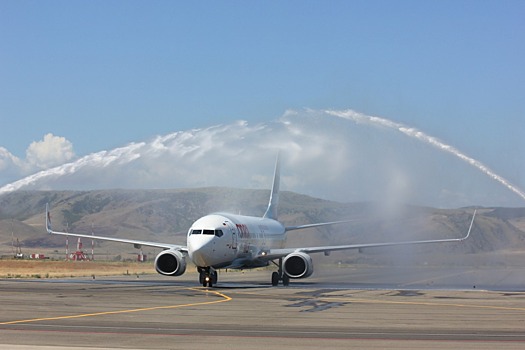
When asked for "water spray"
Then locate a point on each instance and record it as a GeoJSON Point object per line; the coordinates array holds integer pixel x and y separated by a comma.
{"type": "Point", "coordinates": [421, 136]}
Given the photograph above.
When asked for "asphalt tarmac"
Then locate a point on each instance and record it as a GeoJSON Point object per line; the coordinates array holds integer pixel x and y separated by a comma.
{"type": "Point", "coordinates": [361, 308]}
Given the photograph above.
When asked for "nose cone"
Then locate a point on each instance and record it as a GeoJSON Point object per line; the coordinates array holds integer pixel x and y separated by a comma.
{"type": "Point", "coordinates": [201, 249]}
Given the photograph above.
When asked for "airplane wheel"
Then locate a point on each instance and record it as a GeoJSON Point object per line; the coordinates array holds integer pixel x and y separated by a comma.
{"type": "Point", "coordinates": [275, 279]}
{"type": "Point", "coordinates": [204, 279]}
{"type": "Point", "coordinates": [207, 277]}
{"type": "Point", "coordinates": [286, 280]}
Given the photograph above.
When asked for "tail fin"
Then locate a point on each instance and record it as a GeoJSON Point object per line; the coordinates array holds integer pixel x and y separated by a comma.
{"type": "Point", "coordinates": [271, 212]}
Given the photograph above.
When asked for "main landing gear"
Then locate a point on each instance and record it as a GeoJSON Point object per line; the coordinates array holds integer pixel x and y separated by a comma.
{"type": "Point", "coordinates": [207, 276]}
{"type": "Point", "coordinates": [280, 275]}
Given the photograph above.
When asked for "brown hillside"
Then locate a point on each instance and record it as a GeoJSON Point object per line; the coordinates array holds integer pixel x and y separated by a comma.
{"type": "Point", "coordinates": [165, 216]}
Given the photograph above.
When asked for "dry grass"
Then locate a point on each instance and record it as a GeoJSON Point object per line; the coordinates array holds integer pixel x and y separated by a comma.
{"type": "Point", "coordinates": [55, 269]}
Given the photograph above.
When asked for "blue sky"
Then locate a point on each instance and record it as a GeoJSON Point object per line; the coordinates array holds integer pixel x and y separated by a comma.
{"type": "Point", "coordinates": [102, 74]}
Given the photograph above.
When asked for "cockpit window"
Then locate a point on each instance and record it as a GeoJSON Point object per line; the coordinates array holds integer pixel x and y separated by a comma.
{"type": "Point", "coordinates": [217, 233]}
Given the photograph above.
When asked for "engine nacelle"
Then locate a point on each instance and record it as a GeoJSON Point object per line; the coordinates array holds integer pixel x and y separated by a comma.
{"type": "Point", "coordinates": [170, 263]}
{"type": "Point", "coordinates": [298, 265]}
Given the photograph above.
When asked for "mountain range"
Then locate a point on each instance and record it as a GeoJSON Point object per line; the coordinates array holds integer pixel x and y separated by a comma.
{"type": "Point", "coordinates": [498, 235]}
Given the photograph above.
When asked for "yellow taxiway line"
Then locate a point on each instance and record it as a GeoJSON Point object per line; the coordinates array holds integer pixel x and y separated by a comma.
{"type": "Point", "coordinates": [224, 297]}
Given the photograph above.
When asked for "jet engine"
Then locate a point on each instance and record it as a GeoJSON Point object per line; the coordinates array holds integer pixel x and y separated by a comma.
{"type": "Point", "coordinates": [170, 263]}
{"type": "Point", "coordinates": [298, 265]}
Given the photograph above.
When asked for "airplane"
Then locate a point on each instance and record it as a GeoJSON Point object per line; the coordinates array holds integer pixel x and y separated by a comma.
{"type": "Point", "coordinates": [228, 241]}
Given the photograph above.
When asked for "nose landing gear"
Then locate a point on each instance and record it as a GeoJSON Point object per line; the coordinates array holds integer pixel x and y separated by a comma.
{"type": "Point", "coordinates": [207, 276]}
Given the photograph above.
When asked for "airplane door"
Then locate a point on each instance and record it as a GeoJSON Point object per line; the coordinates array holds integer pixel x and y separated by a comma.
{"type": "Point", "coordinates": [263, 239]}
{"type": "Point", "coordinates": [233, 231]}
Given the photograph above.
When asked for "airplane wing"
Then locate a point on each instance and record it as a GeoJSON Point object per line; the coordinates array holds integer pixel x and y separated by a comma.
{"type": "Point", "coordinates": [136, 243]}
{"type": "Point", "coordinates": [300, 227]}
{"type": "Point", "coordinates": [273, 254]}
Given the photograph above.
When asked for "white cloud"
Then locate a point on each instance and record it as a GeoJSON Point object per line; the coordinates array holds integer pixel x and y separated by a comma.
{"type": "Point", "coordinates": [7, 160]}
{"type": "Point", "coordinates": [339, 155]}
{"type": "Point", "coordinates": [51, 151]}
{"type": "Point", "coordinates": [10, 166]}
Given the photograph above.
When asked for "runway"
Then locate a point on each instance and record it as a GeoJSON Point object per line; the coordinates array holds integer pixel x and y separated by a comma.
{"type": "Point", "coordinates": [244, 312]}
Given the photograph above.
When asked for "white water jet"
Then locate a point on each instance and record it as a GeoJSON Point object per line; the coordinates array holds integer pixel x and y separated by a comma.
{"type": "Point", "coordinates": [419, 135]}
{"type": "Point", "coordinates": [314, 140]}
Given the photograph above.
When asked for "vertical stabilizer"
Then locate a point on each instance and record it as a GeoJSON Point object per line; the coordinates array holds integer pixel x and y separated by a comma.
{"type": "Point", "coordinates": [271, 212]}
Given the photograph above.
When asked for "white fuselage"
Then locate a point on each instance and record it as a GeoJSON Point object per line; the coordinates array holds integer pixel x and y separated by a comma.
{"type": "Point", "coordinates": [221, 240]}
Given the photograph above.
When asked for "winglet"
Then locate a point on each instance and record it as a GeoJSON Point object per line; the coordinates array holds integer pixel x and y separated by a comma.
{"type": "Point", "coordinates": [271, 212]}
{"type": "Point", "coordinates": [470, 227]}
{"type": "Point", "coordinates": [48, 220]}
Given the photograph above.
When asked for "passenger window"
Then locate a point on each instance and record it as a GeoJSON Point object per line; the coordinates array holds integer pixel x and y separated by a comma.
{"type": "Point", "coordinates": [218, 233]}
